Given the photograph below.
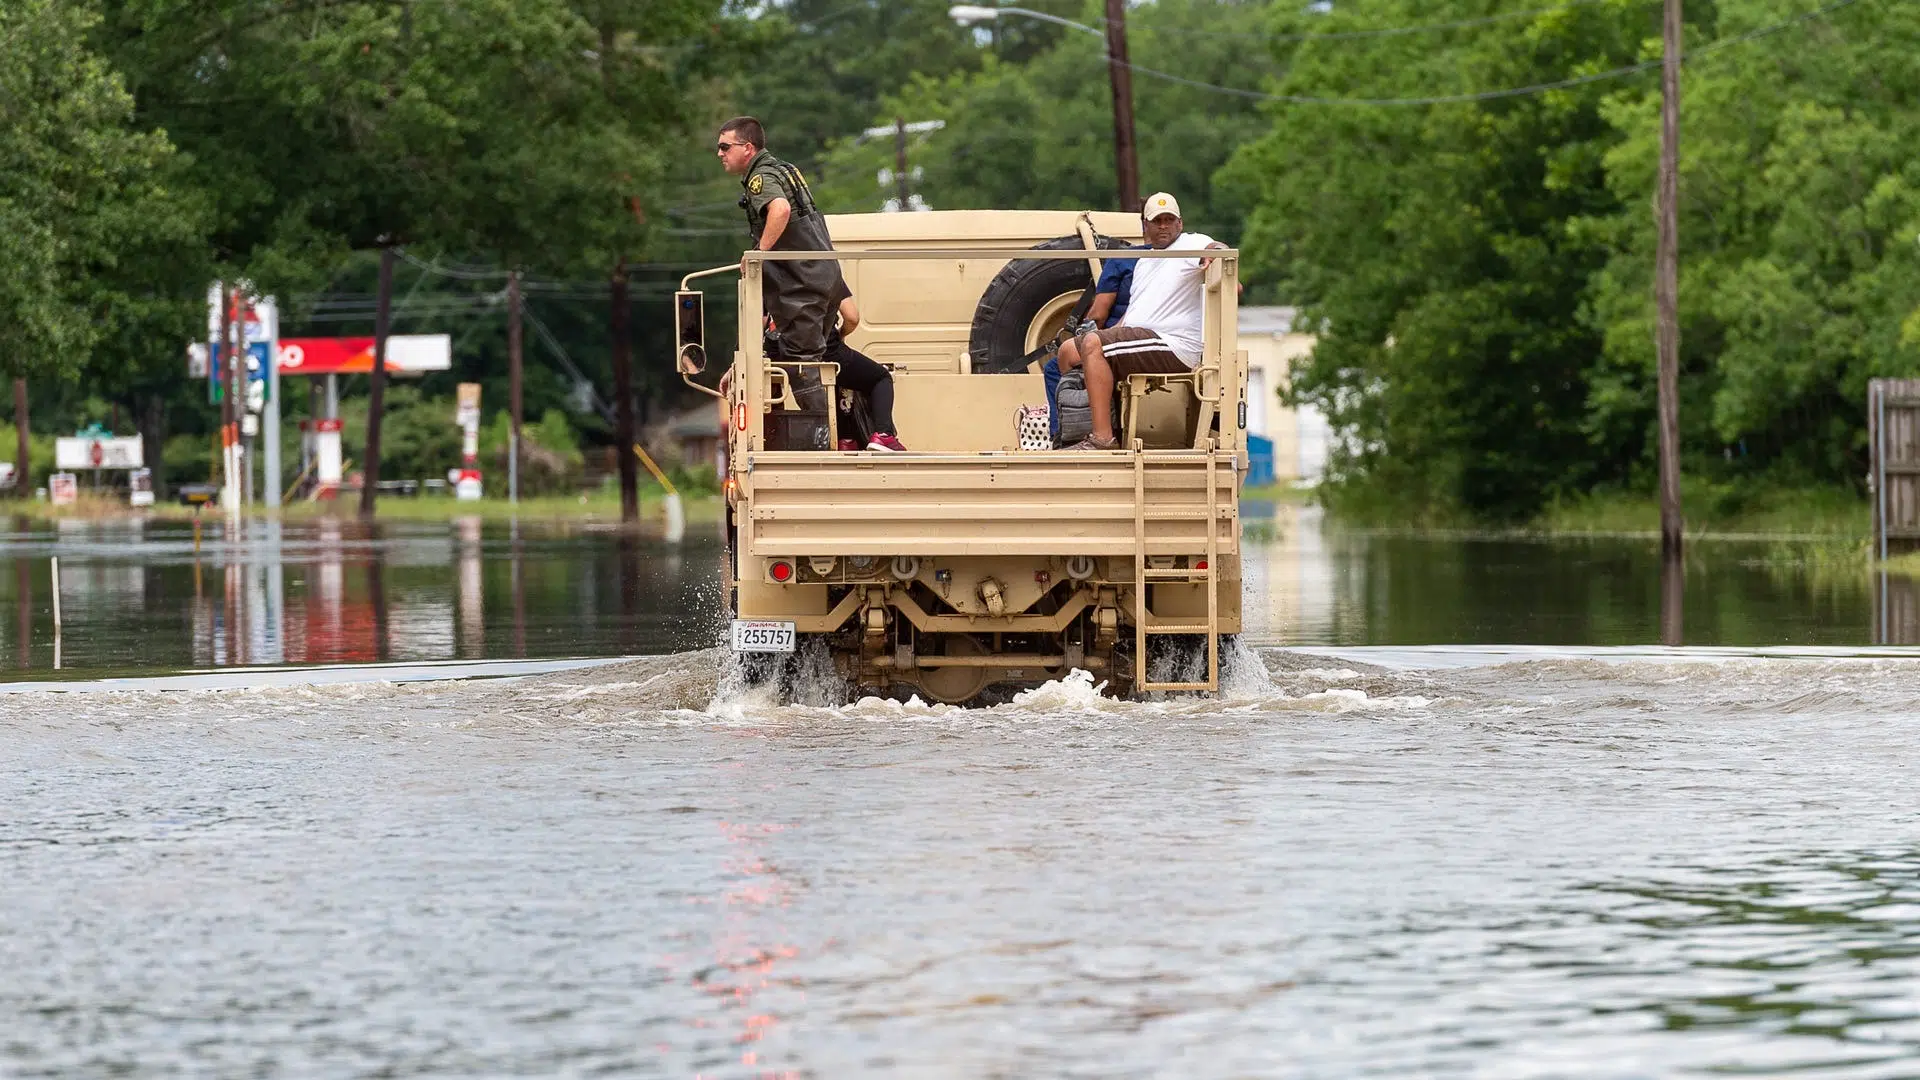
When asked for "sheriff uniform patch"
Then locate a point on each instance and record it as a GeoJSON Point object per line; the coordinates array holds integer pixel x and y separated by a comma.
{"type": "Point", "coordinates": [754, 183]}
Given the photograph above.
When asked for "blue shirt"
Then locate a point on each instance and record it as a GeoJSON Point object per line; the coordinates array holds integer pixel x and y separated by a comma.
{"type": "Point", "coordinates": [1116, 277]}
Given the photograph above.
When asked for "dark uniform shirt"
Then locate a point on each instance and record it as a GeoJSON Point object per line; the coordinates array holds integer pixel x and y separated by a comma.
{"type": "Point", "coordinates": [797, 295]}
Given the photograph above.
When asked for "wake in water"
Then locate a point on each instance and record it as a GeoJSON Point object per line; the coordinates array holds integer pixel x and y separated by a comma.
{"type": "Point", "coordinates": [710, 685]}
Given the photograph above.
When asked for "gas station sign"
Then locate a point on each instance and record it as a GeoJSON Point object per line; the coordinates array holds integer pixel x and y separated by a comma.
{"type": "Point", "coordinates": [407, 354]}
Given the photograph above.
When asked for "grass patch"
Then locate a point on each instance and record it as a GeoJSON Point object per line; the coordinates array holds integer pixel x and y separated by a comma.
{"type": "Point", "coordinates": [1718, 510]}
{"type": "Point", "coordinates": [1279, 493]}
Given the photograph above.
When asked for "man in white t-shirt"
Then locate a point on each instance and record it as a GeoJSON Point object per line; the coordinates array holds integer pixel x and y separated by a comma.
{"type": "Point", "coordinates": [1160, 332]}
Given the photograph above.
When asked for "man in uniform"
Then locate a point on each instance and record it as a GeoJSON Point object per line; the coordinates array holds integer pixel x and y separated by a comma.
{"type": "Point", "coordinates": [781, 216]}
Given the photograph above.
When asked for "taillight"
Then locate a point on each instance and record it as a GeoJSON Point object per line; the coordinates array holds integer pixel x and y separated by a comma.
{"type": "Point", "coordinates": [1200, 564]}
{"type": "Point", "coordinates": [740, 416]}
{"type": "Point", "coordinates": [781, 571]}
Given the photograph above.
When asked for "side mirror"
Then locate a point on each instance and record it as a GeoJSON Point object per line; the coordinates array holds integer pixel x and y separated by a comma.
{"type": "Point", "coordinates": [690, 331]}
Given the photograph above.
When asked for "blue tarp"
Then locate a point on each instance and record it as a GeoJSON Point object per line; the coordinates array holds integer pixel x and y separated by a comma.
{"type": "Point", "coordinates": [1259, 460]}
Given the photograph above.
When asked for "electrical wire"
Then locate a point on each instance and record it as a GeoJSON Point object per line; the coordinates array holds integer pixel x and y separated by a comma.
{"type": "Point", "coordinates": [1517, 91]}
{"type": "Point", "coordinates": [1351, 35]}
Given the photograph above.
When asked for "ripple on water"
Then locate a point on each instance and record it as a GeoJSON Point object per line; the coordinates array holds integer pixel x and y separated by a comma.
{"type": "Point", "coordinates": [1566, 866]}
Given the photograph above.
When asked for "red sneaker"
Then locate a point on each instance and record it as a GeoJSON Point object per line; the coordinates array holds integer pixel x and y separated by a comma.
{"type": "Point", "coordinates": [850, 444]}
{"type": "Point", "coordinates": [883, 441]}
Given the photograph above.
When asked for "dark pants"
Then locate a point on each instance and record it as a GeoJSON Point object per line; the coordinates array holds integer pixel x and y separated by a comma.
{"type": "Point", "coordinates": [860, 372]}
{"type": "Point", "coordinates": [799, 297]}
{"type": "Point", "coordinates": [1050, 374]}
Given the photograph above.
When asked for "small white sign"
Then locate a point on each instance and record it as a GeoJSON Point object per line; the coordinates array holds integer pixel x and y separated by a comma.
{"type": "Point", "coordinates": [63, 488]}
{"type": "Point", "coordinates": [110, 452]}
{"type": "Point", "coordinates": [754, 635]}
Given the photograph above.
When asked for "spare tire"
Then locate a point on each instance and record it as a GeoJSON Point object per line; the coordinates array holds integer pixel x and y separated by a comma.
{"type": "Point", "coordinates": [1022, 299]}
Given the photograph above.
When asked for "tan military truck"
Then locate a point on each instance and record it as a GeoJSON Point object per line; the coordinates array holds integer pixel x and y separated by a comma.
{"type": "Point", "coordinates": [968, 565]}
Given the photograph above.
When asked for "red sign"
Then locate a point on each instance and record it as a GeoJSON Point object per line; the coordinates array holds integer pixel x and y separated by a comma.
{"type": "Point", "coordinates": [407, 354]}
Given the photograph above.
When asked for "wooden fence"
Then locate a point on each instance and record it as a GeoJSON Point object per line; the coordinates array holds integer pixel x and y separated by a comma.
{"type": "Point", "coordinates": [1893, 438]}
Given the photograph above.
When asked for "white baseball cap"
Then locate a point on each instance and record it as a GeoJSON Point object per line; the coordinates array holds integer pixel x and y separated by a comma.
{"type": "Point", "coordinates": [1159, 203]}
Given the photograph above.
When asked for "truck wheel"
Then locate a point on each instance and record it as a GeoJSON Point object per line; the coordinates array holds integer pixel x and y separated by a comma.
{"type": "Point", "coordinates": [1025, 303]}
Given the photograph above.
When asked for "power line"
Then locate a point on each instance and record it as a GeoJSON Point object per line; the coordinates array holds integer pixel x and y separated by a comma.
{"type": "Point", "coordinates": [1350, 35]}
{"type": "Point", "coordinates": [1517, 91]}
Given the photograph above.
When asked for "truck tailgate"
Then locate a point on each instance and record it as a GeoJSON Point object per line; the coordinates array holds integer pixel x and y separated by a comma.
{"type": "Point", "coordinates": [1036, 503]}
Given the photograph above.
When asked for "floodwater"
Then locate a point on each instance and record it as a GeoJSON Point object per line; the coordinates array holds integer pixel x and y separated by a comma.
{"type": "Point", "coordinates": [144, 599]}
{"type": "Point", "coordinates": [1452, 816]}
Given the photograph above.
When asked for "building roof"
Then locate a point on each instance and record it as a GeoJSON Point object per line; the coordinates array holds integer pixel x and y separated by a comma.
{"type": "Point", "coordinates": [1267, 320]}
{"type": "Point", "coordinates": [702, 421]}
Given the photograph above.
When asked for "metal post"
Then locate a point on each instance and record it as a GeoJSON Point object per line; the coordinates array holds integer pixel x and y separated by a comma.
{"type": "Point", "coordinates": [513, 386]}
{"type": "Point", "coordinates": [1880, 467]}
{"type": "Point", "coordinates": [227, 496]}
{"type": "Point", "coordinates": [1666, 286]}
{"type": "Point", "coordinates": [270, 423]}
{"type": "Point", "coordinates": [1126, 164]}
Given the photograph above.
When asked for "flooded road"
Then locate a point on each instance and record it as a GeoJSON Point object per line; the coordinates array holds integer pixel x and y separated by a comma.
{"type": "Point", "coordinates": [1387, 851]}
{"type": "Point", "coordinates": [141, 599]}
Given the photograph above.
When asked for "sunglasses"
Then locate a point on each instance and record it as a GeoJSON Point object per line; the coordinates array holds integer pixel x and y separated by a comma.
{"type": "Point", "coordinates": [726, 146]}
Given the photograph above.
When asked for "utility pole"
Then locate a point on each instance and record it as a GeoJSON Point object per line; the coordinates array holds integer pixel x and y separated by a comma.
{"type": "Point", "coordinates": [22, 473]}
{"type": "Point", "coordinates": [623, 398]}
{"type": "Point", "coordinates": [1126, 164]}
{"type": "Point", "coordinates": [377, 397]}
{"type": "Point", "coordinates": [513, 386]}
{"type": "Point", "coordinates": [900, 161]}
{"type": "Point", "coordinates": [1666, 286]}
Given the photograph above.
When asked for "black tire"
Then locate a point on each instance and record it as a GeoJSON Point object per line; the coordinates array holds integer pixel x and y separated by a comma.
{"type": "Point", "coordinates": [998, 341]}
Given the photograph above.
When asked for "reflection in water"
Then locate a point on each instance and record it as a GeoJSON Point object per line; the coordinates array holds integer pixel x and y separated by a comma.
{"type": "Point", "coordinates": [170, 596]}
{"type": "Point", "coordinates": [1816, 946]}
{"type": "Point", "coordinates": [327, 591]}
{"type": "Point", "coordinates": [1310, 581]}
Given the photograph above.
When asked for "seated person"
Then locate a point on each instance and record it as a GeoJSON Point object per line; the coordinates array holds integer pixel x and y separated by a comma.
{"type": "Point", "coordinates": [1161, 330]}
{"type": "Point", "coordinates": [857, 372]}
{"type": "Point", "coordinates": [1109, 304]}
{"type": "Point", "coordinates": [860, 372]}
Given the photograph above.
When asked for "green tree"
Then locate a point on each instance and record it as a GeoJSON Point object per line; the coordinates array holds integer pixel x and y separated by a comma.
{"type": "Point", "coordinates": [1038, 134]}
{"type": "Point", "coordinates": [83, 190]}
{"type": "Point", "coordinates": [1800, 204]}
{"type": "Point", "coordinates": [828, 61]}
{"type": "Point", "coordinates": [1431, 251]}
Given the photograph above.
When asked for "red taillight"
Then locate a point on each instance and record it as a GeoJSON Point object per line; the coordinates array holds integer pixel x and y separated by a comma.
{"type": "Point", "coordinates": [740, 416]}
{"type": "Point", "coordinates": [781, 571]}
{"type": "Point", "coordinates": [1200, 564]}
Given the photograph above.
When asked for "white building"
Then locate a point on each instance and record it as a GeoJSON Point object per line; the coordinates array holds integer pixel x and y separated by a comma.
{"type": "Point", "coordinates": [1297, 437]}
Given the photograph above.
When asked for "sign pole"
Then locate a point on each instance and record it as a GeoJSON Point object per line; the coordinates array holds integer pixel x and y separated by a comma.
{"type": "Point", "coordinates": [270, 416]}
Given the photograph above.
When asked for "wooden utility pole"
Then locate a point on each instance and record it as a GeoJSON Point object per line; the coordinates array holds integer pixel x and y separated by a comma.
{"type": "Point", "coordinates": [22, 473]}
{"type": "Point", "coordinates": [22, 470]}
{"type": "Point", "coordinates": [623, 397]}
{"type": "Point", "coordinates": [513, 386]}
{"type": "Point", "coordinates": [1666, 286]}
{"type": "Point", "coordinates": [900, 162]}
{"type": "Point", "coordinates": [1126, 163]}
{"type": "Point", "coordinates": [377, 397]}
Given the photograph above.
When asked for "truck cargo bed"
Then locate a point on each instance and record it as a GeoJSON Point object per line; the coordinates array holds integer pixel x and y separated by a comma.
{"type": "Point", "coordinates": [1031, 503]}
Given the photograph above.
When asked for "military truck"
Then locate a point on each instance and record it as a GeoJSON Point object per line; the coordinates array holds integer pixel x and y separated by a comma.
{"type": "Point", "coordinates": [968, 566]}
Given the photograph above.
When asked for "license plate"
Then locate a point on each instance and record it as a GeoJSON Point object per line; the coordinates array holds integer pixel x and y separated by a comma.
{"type": "Point", "coordinates": [751, 635]}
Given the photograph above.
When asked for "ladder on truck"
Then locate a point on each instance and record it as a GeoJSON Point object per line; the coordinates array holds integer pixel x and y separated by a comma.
{"type": "Point", "coordinates": [1207, 572]}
